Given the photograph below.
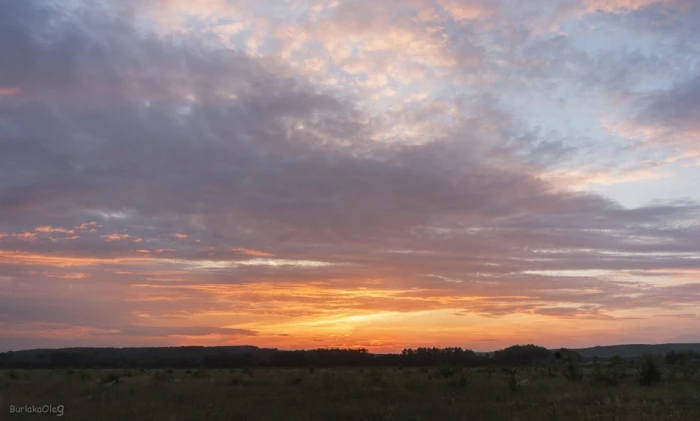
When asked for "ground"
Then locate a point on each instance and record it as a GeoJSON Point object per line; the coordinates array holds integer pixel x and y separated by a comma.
{"type": "Point", "coordinates": [345, 394]}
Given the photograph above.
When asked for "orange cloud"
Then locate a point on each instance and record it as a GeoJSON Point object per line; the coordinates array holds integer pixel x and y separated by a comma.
{"type": "Point", "coordinates": [251, 252]}
{"type": "Point", "coordinates": [27, 236]}
{"type": "Point", "coordinates": [23, 258]}
{"type": "Point", "coordinates": [88, 226]}
{"type": "Point", "coordinates": [624, 5]}
{"type": "Point", "coordinates": [75, 275]}
{"type": "Point", "coordinates": [50, 229]}
{"type": "Point", "coordinates": [116, 237]}
{"type": "Point", "coordinates": [461, 10]}
{"type": "Point", "coordinates": [9, 91]}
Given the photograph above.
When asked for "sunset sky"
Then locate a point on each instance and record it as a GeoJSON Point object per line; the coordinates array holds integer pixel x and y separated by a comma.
{"type": "Point", "coordinates": [349, 173]}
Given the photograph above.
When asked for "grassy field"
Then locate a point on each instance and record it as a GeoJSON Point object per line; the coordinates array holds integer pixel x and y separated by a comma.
{"type": "Point", "coordinates": [346, 394]}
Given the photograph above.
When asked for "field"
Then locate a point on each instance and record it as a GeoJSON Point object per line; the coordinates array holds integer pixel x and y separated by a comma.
{"type": "Point", "coordinates": [346, 394]}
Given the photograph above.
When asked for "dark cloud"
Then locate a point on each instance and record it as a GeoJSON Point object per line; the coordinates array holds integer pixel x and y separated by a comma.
{"type": "Point", "coordinates": [676, 110]}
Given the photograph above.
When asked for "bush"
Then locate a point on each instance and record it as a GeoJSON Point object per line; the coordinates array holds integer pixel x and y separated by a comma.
{"type": "Point", "coordinates": [610, 376]}
{"type": "Point", "coordinates": [573, 371]}
{"type": "Point", "coordinates": [376, 378]}
{"type": "Point", "coordinates": [446, 372]}
{"type": "Point", "coordinates": [513, 383]}
{"type": "Point", "coordinates": [110, 378]}
{"type": "Point", "coordinates": [462, 381]}
{"type": "Point", "coordinates": [648, 371]}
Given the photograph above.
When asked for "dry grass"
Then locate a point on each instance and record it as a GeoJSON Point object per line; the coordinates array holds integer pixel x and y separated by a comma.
{"type": "Point", "coordinates": [344, 394]}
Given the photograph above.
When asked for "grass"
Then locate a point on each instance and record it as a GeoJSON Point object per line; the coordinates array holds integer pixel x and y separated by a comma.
{"type": "Point", "coordinates": [346, 394]}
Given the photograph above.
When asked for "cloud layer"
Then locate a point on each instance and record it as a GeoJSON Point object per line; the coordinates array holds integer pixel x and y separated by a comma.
{"type": "Point", "coordinates": [319, 173]}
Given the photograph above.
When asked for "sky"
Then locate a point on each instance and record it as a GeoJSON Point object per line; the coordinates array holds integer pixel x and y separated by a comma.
{"type": "Point", "coordinates": [349, 173]}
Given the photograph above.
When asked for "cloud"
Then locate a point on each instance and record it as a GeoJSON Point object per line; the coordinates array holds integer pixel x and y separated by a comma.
{"type": "Point", "coordinates": [676, 111]}
{"type": "Point", "coordinates": [9, 91]}
{"type": "Point", "coordinates": [177, 183]}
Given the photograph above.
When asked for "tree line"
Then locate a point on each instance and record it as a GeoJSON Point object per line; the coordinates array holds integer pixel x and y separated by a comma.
{"type": "Point", "coordinates": [242, 357]}
{"type": "Point", "coordinates": [249, 357]}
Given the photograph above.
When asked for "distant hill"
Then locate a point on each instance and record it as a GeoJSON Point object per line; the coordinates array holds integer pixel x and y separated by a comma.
{"type": "Point", "coordinates": [252, 356]}
{"type": "Point", "coordinates": [634, 350]}
{"type": "Point", "coordinates": [166, 354]}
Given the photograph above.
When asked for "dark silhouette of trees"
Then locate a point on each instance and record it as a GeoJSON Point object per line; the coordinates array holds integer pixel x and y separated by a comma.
{"type": "Point", "coordinates": [683, 357]}
{"type": "Point", "coordinates": [523, 355]}
{"type": "Point", "coordinates": [250, 357]}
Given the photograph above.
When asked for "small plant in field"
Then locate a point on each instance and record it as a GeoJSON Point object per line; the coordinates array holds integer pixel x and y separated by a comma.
{"type": "Point", "coordinates": [648, 371]}
{"type": "Point", "coordinates": [689, 372]}
{"type": "Point", "coordinates": [462, 381]}
{"type": "Point", "coordinates": [376, 377]}
{"type": "Point", "coordinates": [311, 369]}
{"type": "Point", "coordinates": [249, 372]}
{"type": "Point", "coordinates": [513, 383]}
{"type": "Point", "coordinates": [12, 375]}
{"type": "Point", "coordinates": [490, 370]}
{"type": "Point", "coordinates": [328, 380]}
{"type": "Point", "coordinates": [163, 376]}
{"type": "Point", "coordinates": [550, 372]}
{"type": "Point", "coordinates": [297, 380]}
{"type": "Point", "coordinates": [235, 380]}
{"type": "Point", "coordinates": [169, 371]}
{"type": "Point", "coordinates": [84, 376]}
{"type": "Point", "coordinates": [446, 371]}
{"type": "Point", "coordinates": [572, 371]}
{"type": "Point", "coordinates": [110, 378]}
{"type": "Point", "coordinates": [610, 376]}
{"type": "Point", "coordinates": [70, 372]}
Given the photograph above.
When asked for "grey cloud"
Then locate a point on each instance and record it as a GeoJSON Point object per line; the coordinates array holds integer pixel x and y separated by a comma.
{"type": "Point", "coordinates": [676, 110]}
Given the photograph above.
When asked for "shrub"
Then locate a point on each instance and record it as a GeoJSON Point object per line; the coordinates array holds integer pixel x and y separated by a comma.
{"type": "Point", "coordinates": [446, 372]}
{"type": "Point", "coordinates": [513, 383]}
{"type": "Point", "coordinates": [376, 378]}
{"type": "Point", "coordinates": [572, 371]}
{"type": "Point", "coordinates": [462, 381]}
{"type": "Point", "coordinates": [110, 378]}
{"type": "Point", "coordinates": [648, 371]}
{"type": "Point", "coordinates": [610, 376]}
